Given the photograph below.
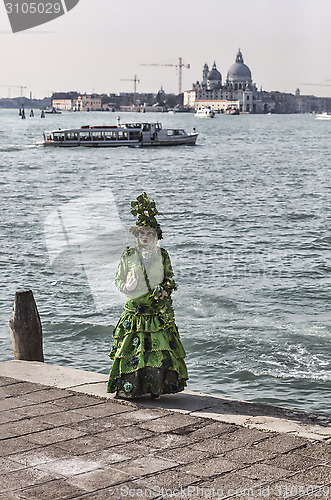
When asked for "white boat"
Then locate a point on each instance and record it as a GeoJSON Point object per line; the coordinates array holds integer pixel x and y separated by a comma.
{"type": "Point", "coordinates": [205, 113]}
{"type": "Point", "coordinates": [323, 116]}
{"type": "Point", "coordinates": [122, 134]}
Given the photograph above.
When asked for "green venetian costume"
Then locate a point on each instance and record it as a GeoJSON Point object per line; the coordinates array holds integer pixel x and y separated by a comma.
{"type": "Point", "coordinates": [147, 354]}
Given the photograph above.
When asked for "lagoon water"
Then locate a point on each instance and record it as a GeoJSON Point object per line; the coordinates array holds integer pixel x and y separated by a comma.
{"type": "Point", "coordinates": [247, 225]}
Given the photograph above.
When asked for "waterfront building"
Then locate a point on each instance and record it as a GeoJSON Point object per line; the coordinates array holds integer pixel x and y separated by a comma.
{"type": "Point", "coordinates": [239, 90]}
{"type": "Point", "coordinates": [64, 101]}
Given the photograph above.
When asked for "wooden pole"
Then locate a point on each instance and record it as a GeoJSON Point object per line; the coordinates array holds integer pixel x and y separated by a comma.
{"type": "Point", "coordinates": [25, 328]}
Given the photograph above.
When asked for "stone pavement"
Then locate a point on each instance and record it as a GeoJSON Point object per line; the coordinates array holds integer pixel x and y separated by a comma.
{"type": "Point", "coordinates": [58, 443]}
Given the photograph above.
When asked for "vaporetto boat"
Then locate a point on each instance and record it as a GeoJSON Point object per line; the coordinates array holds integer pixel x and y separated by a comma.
{"type": "Point", "coordinates": [122, 134]}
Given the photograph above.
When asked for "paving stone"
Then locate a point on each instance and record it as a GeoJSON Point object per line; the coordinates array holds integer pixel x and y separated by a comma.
{"type": "Point", "coordinates": [70, 402]}
{"type": "Point", "coordinates": [63, 418]}
{"type": "Point", "coordinates": [147, 465]}
{"type": "Point", "coordinates": [10, 416]}
{"type": "Point", "coordinates": [125, 490]}
{"type": "Point", "coordinates": [320, 451]}
{"type": "Point", "coordinates": [123, 435]}
{"type": "Point", "coordinates": [165, 441]}
{"type": "Point", "coordinates": [57, 489]}
{"type": "Point", "coordinates": [171, 422]}
{"type": "Point", "coordinates": [14, 445]}
{"type": "Point", "coordinates": [83, 444]}
{"type": "Point", "coordinates": [103, 410]}
{"type": "Point", "coordinates": [91, 481]}
{"type": "Point", "coordinates": [213, 429]}
{"type": "Point", "coordinates": [210, 467]}
{"type": "Point", "coordinates": [121, 453]}
{"type": "Point", "coordinates": [40, 455]}
{"type": "Point", "coordinates": [37, 410]}
{"type": "Point", "coordinates": [168, 479]}
{"type": "Point", "coordinates": [7, 381]}
{"type": "Point", "coordinates": [55, 435]}
{"type": "Point", "coordinates": [282, 443]}
{"type": "Point", "coordinates": [23, 478]}
{"type": "Point", "coordinates": [319, 475]}
{"type": "Point", "coordinates": [44, 395]}
{"type": "Point", "coordinates": [184, 454]}
{"type": "Point", "coordinates": [9, 465]}
{"type": "Point", "coordinates": [12, 403]}
{"type": "Point", "coordinates": [137, 416]}
{"type": "Point", "coordinates": [9, 495]}
{"type": "Point", "coordinates": [229, 484]}
{"type": "Point", "coordinates": [225, 442]}
{"type": "Point", "coordinates": [72, 466]}
{"type": "Point", "coordinates": [20, 388]}
{"type": "Point", "coordinates": [21, 428]}
{"type": "Point", "coordinates": [94, 425]}
{"type": "Point", "coordinates": [293, 462]}
{"type": "Point", "coordinates": [248, 455]}
{"type": "Point", "coordinates": [265, 473]}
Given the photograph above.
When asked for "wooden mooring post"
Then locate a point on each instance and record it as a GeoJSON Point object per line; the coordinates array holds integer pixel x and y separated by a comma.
{"type": "Point", "coordinates": [25, 328]}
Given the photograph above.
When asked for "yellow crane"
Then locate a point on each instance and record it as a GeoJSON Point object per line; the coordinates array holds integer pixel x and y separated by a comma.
{"type": "Point", "coordinates": [178, 66]}
{"type": "Point", "coordinates": [135, 81]}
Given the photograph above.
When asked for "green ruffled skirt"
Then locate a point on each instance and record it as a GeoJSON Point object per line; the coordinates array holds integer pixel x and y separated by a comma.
{"type": "Point", "coordinates": [148, 356]}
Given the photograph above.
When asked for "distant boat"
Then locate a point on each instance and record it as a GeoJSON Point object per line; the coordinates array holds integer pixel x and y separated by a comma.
{"type": "Point", "coordinates": [52, 111]}
{"type": "Point", "coordinates": [232, 111]}
{"type": "Point", "coordinates": [126, 134]}
{"type": "Point", "coordinates": [205, 113]}
{"type": "Point", "coordinates": [323, 116]}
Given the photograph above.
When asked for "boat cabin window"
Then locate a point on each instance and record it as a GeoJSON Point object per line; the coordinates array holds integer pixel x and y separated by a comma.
{"type": "Point", "coordinates": [133, 125]}
{"type": "Point", "coordinates": [110, 135]}
{"type": "Point", "coordinates": [71, 136]}
{"type": "Point", "coordinates": [58, 136]}
{"type": "Point", "coordinates": [85, 136]}
{"type": "Point", "coordinates": [175, 132]}
{"type": "Point", "coordinates": [97, 136]}
{"type": "Point", "coordinates": [135, 135]}
{"type": "Point", "coordinates": [146, 127]}
{"type": "Point", "coordinates": [123, 135]}
{"type": "Point", "coordinates": [158, 126]}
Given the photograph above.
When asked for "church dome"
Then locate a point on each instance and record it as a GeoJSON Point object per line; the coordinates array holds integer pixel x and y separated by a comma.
{"type": "Point", "coordinates": [214, 79]}
{"type": "Point", "coordinates": [239, 72]}
{"type": "Point", "coordinates": [214, 74]}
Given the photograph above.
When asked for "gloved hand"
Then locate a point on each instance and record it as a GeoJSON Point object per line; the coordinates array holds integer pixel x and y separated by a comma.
{"type": "Point", "coordinates": [131, 281]}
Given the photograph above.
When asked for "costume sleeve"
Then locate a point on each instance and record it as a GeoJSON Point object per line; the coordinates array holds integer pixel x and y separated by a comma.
{"type": "Point", "coordinates": [122, 271]}
{"type": "Point", "coordinates": [167, 267]}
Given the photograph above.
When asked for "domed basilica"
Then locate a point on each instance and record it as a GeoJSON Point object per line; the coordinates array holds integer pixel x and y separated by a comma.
{"type": "Point", "coordinates": [239, 91]}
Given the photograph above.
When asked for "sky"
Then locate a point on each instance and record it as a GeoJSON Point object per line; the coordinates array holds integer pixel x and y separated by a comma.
{"type": "Point", "coordinates": [285, 43]}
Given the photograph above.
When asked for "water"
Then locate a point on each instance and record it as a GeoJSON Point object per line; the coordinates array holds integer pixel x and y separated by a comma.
{"type": "Point", "coordinates": [246, 222]}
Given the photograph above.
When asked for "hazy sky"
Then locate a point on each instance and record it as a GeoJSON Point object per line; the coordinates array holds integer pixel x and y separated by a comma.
{"type": "Point", "coordinates": [100, 42]}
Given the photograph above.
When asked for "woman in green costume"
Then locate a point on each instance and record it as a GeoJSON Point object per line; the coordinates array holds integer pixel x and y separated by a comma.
{"type": "Point", "coordinates": [147, 354]}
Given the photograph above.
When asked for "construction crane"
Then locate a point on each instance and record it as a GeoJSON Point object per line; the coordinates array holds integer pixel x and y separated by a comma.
{"type": "Point", "coordinates": [15, 86]}
{"type": "Point", "coordinates": [180, 67]}
{"type": "Point", "coordinates": [135, 81]}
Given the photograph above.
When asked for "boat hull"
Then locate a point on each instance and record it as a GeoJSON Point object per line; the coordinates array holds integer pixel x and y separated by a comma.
{"type": "Point", "coordinates": [189, 140]}
{"type": "Point", "coordinates": [110, 136]}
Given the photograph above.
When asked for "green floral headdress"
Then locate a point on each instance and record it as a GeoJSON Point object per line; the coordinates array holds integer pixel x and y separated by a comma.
{"type": "Point", "coordinates": [146, 211]}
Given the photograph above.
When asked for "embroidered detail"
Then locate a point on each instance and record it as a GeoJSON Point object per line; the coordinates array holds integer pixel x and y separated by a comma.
{"type": "Point", "coordinates": [128, 387]}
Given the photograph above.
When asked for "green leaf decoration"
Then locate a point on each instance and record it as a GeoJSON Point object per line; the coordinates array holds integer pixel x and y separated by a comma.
{"type": "Point", "coordinates": [146, 211]}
